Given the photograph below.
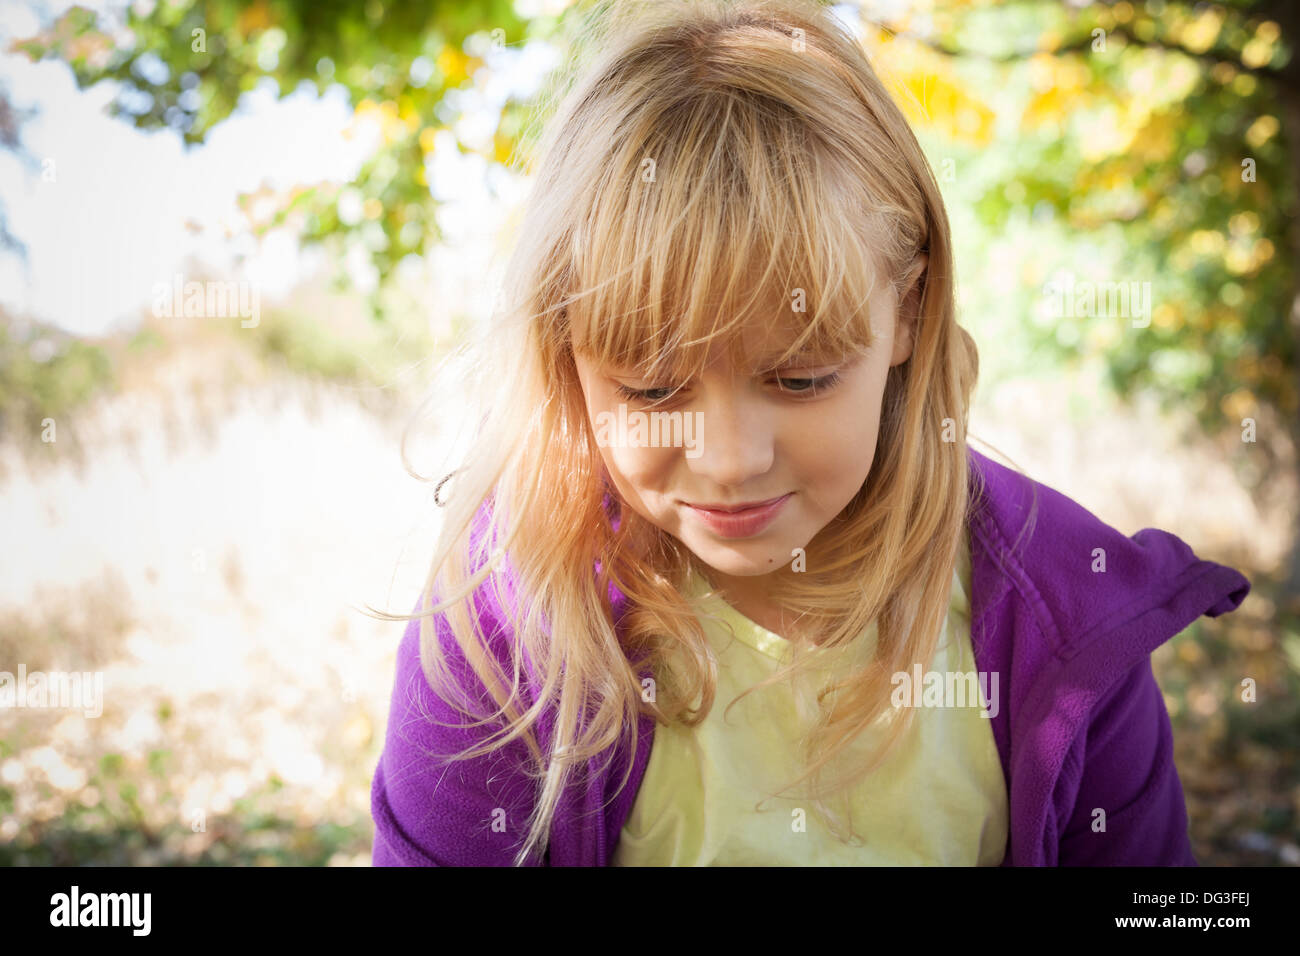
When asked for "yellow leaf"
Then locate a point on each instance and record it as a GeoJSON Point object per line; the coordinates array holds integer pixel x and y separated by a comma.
{"type": "Point", "coordinates": [453, 65]}
{"type": "Point", "coordinates": [1257, 53]}
{"type": "Point", "coordinates": [1166, 317]}
{"type": "Point", "coordinates": [254, 18]}
{"type": "Point", "coordinates": [1199, 35]}
{"type": "Point", "coordinates": [1237, 405]}
{"type": "Point", "coordinates": [1155, 141]}
{"type": "Point", "coordinates": [1049, 106]}
{"type": "Point", "coordinates": [932, 99]}
{"type": "Point", "coordinates": [501, 149]}
{"type": "Point", "coordinates": [1262, 130]}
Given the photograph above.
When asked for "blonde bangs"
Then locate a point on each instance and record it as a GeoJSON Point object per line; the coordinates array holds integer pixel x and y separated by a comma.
{"type": "Point", "coordinates": [730, 220]}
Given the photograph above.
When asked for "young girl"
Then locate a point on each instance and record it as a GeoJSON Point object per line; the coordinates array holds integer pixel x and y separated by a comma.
{"type": "Point", "coordinates": [722, 461]}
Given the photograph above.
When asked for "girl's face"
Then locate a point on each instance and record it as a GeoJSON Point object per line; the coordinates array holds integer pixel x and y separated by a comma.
{"type": "Point", "coordinates": [799, 441]}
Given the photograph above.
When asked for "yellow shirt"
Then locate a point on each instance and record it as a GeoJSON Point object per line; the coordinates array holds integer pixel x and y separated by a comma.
{"type": "Point", "coordinates": [940, 798]}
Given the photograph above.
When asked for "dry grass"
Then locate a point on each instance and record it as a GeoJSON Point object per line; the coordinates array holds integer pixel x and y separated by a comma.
{"type": "Point", "coordinates": [207, 538]}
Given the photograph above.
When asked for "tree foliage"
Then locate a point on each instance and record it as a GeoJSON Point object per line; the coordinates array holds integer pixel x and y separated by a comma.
{"type": "Point", "coordinates": [184, 65]}
{"type": "Point", "coordinates": [1177, 124]}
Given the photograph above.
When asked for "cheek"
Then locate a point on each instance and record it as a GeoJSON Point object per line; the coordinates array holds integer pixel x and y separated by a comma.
{"type": "Point", "coordinates": [641, 477]}
{"type": "Point", "coordinates": [631, 468]}
{"type": "Point", "coordinates": [640, 467]}
{"type": "Point", "coordinates": [838, 446]}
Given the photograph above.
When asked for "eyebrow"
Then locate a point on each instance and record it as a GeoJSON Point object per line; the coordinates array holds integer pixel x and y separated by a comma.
{"type": "Point", "coordinates": [771, 358]}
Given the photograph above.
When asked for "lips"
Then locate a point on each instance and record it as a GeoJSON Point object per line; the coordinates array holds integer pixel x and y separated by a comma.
{"type": "Point", "coordinates": [747, 506]}
{"type": "Point", "coordinates": [743, 522]}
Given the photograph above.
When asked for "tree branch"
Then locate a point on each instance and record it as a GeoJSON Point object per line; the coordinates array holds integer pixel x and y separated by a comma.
{"type": "Point", "coordinates": [1084, 45]}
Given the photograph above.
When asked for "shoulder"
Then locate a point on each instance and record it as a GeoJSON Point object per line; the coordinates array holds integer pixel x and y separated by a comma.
{"type": "Point", "coordinates": [433, 801]}
{"type": "Point", "coordinates": [1068, 609]}
{"type": "Point", "coordinates": [1077, 577]}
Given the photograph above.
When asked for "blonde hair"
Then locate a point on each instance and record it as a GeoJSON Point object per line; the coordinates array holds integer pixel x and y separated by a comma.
{"type": "Point", "coordinates": [701, 150]}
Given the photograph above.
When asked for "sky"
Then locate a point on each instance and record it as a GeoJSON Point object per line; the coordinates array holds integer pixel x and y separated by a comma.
{"type": "Point", "coordinates": [112, 211]}
{"type": "Point", "coordinates": [113, 222]}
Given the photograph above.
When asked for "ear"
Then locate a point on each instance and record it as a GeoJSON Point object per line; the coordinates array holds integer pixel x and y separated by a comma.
{"type": "Point", "coordinates": [909, 309]}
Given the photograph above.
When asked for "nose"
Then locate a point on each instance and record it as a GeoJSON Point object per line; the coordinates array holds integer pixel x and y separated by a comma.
{"type": "Point", "coordinates": [738, 440]}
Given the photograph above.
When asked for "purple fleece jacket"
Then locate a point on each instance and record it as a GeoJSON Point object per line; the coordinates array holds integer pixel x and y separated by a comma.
{"type": "Point", "coordinates": [1082, 724]}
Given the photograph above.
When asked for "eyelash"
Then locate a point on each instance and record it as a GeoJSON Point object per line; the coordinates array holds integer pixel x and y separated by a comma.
{"type": "Point", "coordinates": [817, 385]}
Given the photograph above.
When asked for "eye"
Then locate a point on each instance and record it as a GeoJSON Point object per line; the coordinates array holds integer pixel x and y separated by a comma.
{"type": "Point", "coordinates": [654, 396]}
{"type": "Point", "coordinates": [809, 386]}
{"type": "Point", "coordinates": [803, 386]}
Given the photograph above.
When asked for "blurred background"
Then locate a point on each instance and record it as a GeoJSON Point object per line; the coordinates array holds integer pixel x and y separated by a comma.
{"type": "Point", "coordinates": [200, 493]}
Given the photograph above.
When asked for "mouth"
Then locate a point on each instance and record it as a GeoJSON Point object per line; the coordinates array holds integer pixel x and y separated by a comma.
{"type": "Point", "coordinates": [742, 520]}
{"type": "Point", "coordinates": [735, 509]}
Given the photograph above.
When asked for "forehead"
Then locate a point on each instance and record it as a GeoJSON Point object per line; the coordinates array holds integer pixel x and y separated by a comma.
{"type": "Point", "coordinates": [757, 344]}
{"type": "Point", "coordinates": [756, 315]}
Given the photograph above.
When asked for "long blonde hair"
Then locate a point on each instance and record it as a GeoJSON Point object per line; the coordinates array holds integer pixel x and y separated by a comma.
{"type": "Point", "coordinates": [698, 151]}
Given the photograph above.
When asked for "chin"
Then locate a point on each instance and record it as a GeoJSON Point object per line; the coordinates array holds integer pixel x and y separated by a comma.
{"type": "Point", "coordinates": [759, 560]}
